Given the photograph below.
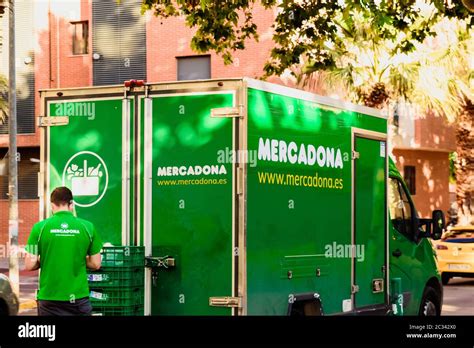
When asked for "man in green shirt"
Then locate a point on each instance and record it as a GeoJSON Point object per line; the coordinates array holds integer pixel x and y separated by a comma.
{"type": "Point", "coordinates": [63, 246]}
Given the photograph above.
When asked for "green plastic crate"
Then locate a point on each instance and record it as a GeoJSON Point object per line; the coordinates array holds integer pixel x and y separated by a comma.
{"type": "Point", "coordinates": [123, 256]}
{"type": "Point", "coordinates": [116, 297]}
{"type": "Point", "coordinates": [136, 310]}
{"type": "Point", "coordinates": [117, 277]}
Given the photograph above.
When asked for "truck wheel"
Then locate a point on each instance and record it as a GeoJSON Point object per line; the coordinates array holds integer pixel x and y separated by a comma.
{"type": "Point", "coordinates": [430, 303]}
{"type": "Point", "coordinates": [445, 279]}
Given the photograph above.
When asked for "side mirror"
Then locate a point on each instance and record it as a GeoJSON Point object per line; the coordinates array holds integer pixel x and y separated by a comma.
{"type": "Point", "coordinates": [439, 224]}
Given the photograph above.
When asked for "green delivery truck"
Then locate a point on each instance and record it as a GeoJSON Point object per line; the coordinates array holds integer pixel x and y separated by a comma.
{"type": "Point", "coordinates": [250, 198]}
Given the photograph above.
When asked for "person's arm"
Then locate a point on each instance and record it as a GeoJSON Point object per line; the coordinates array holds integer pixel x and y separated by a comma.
{"type": "Point", "coordinates": [93, 258]}
{"type": "Point", "coordinates": [93, 262]}
{"type": "Point", "coordinates": [32, 262]}
{"type": "Point", "coordinates": [31, 251]}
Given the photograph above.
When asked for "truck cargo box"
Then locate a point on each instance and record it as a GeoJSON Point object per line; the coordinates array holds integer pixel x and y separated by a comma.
{"type": "Point", "coordinates": [249, 197]}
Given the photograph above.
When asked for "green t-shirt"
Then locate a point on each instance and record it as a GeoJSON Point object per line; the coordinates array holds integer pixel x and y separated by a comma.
{"type": "Point", "coordinates": [62, 242]}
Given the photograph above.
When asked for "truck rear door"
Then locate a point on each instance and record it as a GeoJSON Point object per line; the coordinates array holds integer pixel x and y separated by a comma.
{"type": "Point", "coordinates": [190, 208]}
{"type": "Point", "coordinates": [90, 155]}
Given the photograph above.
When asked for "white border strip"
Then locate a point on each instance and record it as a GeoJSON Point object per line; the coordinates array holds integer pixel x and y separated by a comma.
{"type": "Point", "coordinates": [125, 172]}
{"type": "Point", "coordinates": [235, 178]}
{"type": "Point", "coordinates": [303, 95]}
{"type": "Point", "coordinates": [138, 169]}
{"type": "Point", "coordinates": [147, 186]}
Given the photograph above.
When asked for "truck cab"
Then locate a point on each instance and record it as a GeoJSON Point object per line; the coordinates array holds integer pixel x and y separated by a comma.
{"type": "Point", "coordinates": [412, 257]}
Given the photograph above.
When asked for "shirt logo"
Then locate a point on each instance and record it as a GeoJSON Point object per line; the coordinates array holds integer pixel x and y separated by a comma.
{"type": "Point", "coordinates": [64, 225]}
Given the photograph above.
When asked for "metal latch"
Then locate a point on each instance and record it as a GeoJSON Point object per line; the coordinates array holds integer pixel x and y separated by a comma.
{"type": "Point", "coordinates": [159, 262]}
{"type": "Point", "coordinates": [355, 155]}
{"type": "Point", "coordinates": [227, 112]}
{"type": "Point", "coordinates": [354, 288]}
{"type": "Point", "coordinates": [48, 121]}
{"type": "Point", "coordinates": [377, 286]}
{"type": "Point", "coordinates": [226, 301]}
{"type": "Point", "coordinates": [156, 263]}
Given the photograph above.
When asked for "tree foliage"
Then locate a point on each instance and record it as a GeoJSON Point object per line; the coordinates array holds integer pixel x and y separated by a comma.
{"type": "Point", "coordinates": [306, 29]}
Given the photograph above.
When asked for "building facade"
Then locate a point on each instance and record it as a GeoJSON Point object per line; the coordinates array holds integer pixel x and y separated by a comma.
{"type": "Point", "coordinates": [78, 43]}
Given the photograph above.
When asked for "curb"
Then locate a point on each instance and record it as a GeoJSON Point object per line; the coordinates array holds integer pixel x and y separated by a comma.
{"type": "Point", "coordinates": [29, 304]}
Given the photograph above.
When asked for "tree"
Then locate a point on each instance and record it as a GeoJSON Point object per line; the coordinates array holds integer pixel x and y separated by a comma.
{"type": "Point", "coordinates": [366, 68]}
{"type": "Point", "coordinates": [304, 28]}
{"type": "Point", "coordinates": [3, 81]}
{"type": "Point", "coordinates": [437, 76]}
{"type": "Point", "coordinates": [445, 84]}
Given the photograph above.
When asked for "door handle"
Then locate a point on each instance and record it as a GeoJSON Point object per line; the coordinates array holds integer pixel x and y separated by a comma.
{"type": "Point", "coordinates": [397, 253]}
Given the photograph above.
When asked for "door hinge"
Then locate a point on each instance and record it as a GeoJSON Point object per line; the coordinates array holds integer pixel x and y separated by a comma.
{"type": "Point", "coordinates": [228, 112]}
{"type": "Point", "coordinates": [226, 301]}
{"type": "Point", "coordinates": [48, 121]}
{"type": "Point", "coordinates": [355, 155]}
{"type": "Point", "coordinates": [40, 184]}
{"type": "Point", "coordinates": [354, 289]}
{"type": "Point", "coordinates": [240, 181]}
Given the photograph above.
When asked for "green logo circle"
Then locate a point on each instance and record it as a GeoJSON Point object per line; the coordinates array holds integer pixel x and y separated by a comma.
{"type": "Point", "coordinates": [86, 175]}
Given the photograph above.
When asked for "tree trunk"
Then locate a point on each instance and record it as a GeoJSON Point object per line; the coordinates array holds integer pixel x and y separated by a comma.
{"type": "Point", "coordinates": [465, 165]}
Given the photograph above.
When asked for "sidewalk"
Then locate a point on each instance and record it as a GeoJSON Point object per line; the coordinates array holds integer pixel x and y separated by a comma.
{"type": "Point", "coordinates": [28, 286]}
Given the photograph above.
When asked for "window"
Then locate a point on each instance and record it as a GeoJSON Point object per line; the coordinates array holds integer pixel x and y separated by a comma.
{"type": "Point", "coordinates": [194, 68]}
{"type": "Point", "coordinates": [400, 209]}
{"type": "Point", "coordinates": [28, 169]}
{"type": "Point", "coordinates": [80, 35]}
{"type": "Point", "coordinates": [409, 175]}
{"type": "Point", "coordinates": [124, 24]}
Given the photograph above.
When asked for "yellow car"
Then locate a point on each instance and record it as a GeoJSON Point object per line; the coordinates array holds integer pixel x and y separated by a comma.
{"type": "Point", "coordinates": [455, 253]}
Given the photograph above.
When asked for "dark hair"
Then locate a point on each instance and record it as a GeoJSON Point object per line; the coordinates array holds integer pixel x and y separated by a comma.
{"type": "Point", "coordinates": [61, 196]}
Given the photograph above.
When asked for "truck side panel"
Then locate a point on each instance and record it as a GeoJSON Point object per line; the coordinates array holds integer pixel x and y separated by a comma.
{"type": "Point", "coordinates": [299, 201]}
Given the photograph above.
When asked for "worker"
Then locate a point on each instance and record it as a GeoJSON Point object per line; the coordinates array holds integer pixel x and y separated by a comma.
{"type": "Point", "coordinates": [62, 246]}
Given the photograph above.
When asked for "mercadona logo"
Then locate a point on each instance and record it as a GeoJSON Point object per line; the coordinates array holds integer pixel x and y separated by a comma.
{"type": "Point", "coordinates": [86, 175]}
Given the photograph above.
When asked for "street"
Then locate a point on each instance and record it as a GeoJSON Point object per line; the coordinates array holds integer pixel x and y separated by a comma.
{"type": "Point", "coordinates": [459, 297]}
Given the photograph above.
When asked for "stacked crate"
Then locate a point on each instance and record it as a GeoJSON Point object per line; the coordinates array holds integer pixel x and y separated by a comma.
{"type": "Point", "coordinates": [117, 289]}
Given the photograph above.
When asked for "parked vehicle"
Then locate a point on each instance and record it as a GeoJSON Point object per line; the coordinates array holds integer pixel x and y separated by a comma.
{"type": "Point", "coordinates": [250, 198]}
{"type": "Point", "coordinates": [455, 253]}
{"type": "Point", "coordinates": [9, 303]}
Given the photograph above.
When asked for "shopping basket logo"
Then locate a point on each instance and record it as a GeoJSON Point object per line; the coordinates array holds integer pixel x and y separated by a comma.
{"type": "Point", "coordinates": [86, 175]}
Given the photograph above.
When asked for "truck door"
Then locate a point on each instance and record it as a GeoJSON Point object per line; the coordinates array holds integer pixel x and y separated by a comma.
{"type": "Point", "coordinates": [404, 247]}
{"type": "Point", "coordinates": [370, 219]}
{"type": "Point", "coordinates": [190, 207]}
{"type": "Point", "coordinates": [89, 154]}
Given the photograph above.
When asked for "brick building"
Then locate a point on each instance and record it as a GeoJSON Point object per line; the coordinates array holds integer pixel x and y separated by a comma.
{"type": "Point", "coordinates": [80, 43]}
